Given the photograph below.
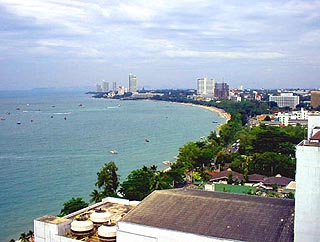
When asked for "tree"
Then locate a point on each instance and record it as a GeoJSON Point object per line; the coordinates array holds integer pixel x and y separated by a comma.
{"type": "Point", "coordinates": [159, 182]}
{"type": "Point", "coordinates": [30, 234]}
{"type": "Point", "coordinates": [108, 179]}
{"type": "Point", "coordinates": [96, 196]}
{"type": "Point", "coordinates": [73, 205]}
{"type": "Point", "coordinates": [24, 237]}
{"type": "Point", "coordinates": [138, 184]}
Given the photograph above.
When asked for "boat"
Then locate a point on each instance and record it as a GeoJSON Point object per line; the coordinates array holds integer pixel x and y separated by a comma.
{"type": "Point", "coordinates": [167, 163]}
{"type": "Point", "coordinates": [114, 152]}
{"type": "Point", "coordinates": [146, 140]}
{"type": "Point", "coordinates": [18, 122]}
{"type": "Point", "coordinates": [214, 121]}
{"type": "Point", "coordinates": [2, 118]}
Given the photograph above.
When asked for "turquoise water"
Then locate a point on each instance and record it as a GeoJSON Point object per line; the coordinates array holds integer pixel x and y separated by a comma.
{"type": "Point", "coordinates": [54, 157]}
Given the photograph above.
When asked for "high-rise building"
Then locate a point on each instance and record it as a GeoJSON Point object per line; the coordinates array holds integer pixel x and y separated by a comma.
{"type": "Point", "coordinates": [221, 90]}
{"type": "Point", "coordinates": [285, 100]}
{"type": "Point", "coordinates": [99, 88]}
{"type": "Point", "coordinates": [307, 196]}
{"type": "Point", "coordinates": [205, 87]}
{"type": "Point", "coordinates": [315, 99]}
{"type": "Point", "coordinates": [105, 86]}
{"type": "Point", "coordinates": [132, 83]}
{"type": "Point", "coordinates": [114, 86]}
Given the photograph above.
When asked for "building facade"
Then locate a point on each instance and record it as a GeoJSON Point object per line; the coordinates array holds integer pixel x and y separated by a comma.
{"type": "Point", "coordinates": [105, 86]}
{"type": "Point", "coordinates": [307, 196]}
{"type": "Point", "coordinates": [315, 99]}
{"type": "Point", "coordinates": [132, 83]}
{"type": "Point", "coordinates": [114, 86]}
{"type": "Point", "coordinates": [206, 87]}
{"type": "Point", "coordinates": [221, 91]}
{"type": "Point", "coordinates": [285, 100]}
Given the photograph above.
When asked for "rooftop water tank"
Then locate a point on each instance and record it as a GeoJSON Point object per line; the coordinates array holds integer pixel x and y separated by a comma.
{"type": "Point", "coordinates": [81, 226]}
{"type": "Point", "coordinates": [100, 216]}
{"type": "Point", "coordinates": [107, 232]}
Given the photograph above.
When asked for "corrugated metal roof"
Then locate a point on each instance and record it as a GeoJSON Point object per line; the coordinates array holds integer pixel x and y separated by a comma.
{"type": "Point", "coordinates": [219, 215]}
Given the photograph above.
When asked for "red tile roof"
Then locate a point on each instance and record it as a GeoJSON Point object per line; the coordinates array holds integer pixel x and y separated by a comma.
{"type": "Point", "coordinates": [316, 136]}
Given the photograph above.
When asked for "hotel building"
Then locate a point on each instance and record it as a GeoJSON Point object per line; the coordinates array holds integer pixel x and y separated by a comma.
{"type": "Point", "coordinates": [285, 100]}
{"type": "Point", "coordinates": [132, 83]}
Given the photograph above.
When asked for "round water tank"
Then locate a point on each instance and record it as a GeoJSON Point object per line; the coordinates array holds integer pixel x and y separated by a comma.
{"type": "Point", "coordinates": [107, 232]}
{"type": "Point", "coordinates": [81, 226]}
{"type": "Point", "coordinates": [100, 216]}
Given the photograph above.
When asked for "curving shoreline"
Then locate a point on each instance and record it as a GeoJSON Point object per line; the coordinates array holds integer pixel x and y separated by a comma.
{"type": "Point", "coordinates": [222, 112]}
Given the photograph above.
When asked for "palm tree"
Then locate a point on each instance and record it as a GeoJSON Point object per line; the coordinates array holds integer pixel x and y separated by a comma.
{"type": "Point", "coordinates": [30, 234]}
{"type": "Point", "coordinates": [24, 237]}
{"type": "Point", "coordinates": [96, 196]}
{"type": "Point", "coordinates": [158, 182]}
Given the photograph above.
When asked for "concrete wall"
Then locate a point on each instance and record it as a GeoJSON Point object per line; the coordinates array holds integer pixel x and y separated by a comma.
{"type": "Point", "coordinates": [313, 121]}
{"type": "Point", "coordinates": [48, 232]}
{"type": "Point", "coordinates": [307, 197]}
{"type": "Point", "coordinates": [139, 233]}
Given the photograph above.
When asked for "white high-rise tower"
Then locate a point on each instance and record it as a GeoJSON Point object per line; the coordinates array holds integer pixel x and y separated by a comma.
{"type": "Point", "coordinates": [206, 87]}
{"type": "Point", "coordinates": [307, 197]}
{"type": "Point", "coordinates": [132, 83]}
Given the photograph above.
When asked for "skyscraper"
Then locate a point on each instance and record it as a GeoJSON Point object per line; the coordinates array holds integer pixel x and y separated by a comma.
{"type": "Point", "coordinates": [114, 86]}
{"type": "Point", "coordinates": [221, 90]}
{"type": "Point", "coordinates": [105, 86]}
{"type": "Point", "coordinates": [205, 87]}
{"type": "Point", "coordinates": [132, 83]}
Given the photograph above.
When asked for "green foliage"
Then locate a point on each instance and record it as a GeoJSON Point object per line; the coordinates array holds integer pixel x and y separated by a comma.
{"type": "Point", "coordinates": [140, 183]}
{"type": "Point", "coordinates": [107, 181]}
{"type": "Point", "coordinates": [96, 196]}
{"type": "Point", "coordinates": [24, 237]}
{"type": "Point", "coordinates": [270, 164]}
{"type": "Point", "coordinates": [73, 205]}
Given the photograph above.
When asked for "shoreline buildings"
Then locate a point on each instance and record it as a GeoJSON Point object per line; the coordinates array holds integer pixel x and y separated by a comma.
{"type": "Point", "coordinates": [210, 89]}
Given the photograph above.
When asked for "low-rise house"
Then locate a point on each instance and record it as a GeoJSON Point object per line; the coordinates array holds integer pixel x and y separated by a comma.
{"type": "Point", "coordinates": [223, 176]}
{"type": "Point", "coordinates": [280, 181]}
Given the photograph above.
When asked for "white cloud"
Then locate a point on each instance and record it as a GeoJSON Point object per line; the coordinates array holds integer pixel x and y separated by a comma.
{"type": "Point", "coordinates": [225, 54]}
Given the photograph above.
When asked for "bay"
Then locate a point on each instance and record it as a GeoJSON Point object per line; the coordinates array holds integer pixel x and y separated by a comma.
{"type": "Point", "coordinates": [64, 138]}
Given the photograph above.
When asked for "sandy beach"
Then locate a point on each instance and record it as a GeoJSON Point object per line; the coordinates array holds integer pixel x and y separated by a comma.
{"type": "Point", "coordinates": [223, 113]}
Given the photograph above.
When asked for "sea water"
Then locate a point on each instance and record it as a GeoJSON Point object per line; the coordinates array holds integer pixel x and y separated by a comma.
{"type": "Point", "coordinates": [53, 144]}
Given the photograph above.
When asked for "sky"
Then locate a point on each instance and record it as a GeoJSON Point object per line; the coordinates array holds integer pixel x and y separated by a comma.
{"type": "Point", "coordinates": [166, 44]}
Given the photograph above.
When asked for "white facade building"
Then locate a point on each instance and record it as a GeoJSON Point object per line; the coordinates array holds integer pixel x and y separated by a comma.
{"type": "Point", "coordinates": [132, 83]}
{"type": "Point", "coordinates": [105, 86]}
{"type": "Point", "coordinates": [285, 100]}
{"type": "Point", "coordinates": [307, 196]}
{"type": "Point", "coordinates": [206, 87]}
{"type": "Point", "coordinates": [290, 117]}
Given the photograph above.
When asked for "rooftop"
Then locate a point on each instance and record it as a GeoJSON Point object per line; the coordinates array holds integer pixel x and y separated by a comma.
{"type": "Point", "coordinates": [219, 215]}
{"type": "Point", "coordinates": [116, 207]}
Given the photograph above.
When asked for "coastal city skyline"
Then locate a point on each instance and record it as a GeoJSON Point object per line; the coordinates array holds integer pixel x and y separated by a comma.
{"type": "Point", "coordinates": [263, 44]}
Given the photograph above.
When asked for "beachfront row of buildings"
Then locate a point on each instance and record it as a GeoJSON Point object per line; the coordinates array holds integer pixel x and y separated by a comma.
{"type": "Point", "coordinates": [180, 215]}
{"type": "Point", "coordinates": [120, 90]}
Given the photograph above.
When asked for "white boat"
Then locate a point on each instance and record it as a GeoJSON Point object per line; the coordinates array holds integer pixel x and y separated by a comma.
{"type": "Point", "coordinates": [167, 163]}
{"type": "Point", "coordinates": [114, 152]}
